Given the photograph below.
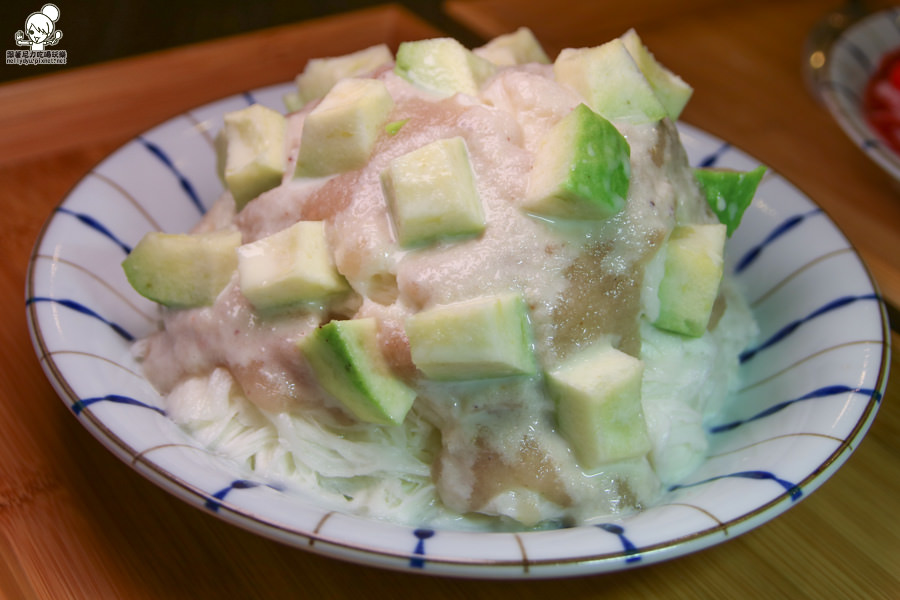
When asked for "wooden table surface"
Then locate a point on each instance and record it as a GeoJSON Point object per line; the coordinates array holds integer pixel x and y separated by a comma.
{"type": "Point", "coordinates": [75, 522]}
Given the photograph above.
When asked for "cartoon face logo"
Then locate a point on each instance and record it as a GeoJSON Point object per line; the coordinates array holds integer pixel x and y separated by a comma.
{"type": "Point", "coordinates": [40, 29]}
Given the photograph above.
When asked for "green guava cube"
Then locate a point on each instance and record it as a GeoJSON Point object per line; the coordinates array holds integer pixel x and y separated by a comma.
{"type": "Point", "coordinates": [482, 338]}
{"type": "Point", "coordinates": [442, 66]}
{"type": "Point", "coordinates": [288, 268]}
{"type": "Point", "coordinates": [670, 89]}
{"type": "Point", "coordinates": [517, 48]}
{"type": "Point", "coordinates": [610, 81]}
{"type": "Point", "coordinates": [253, 140]}
{"type": "Point", "coordinates": [582, 169]}
{"type": "Point", "coordinates": [339, 134]}
{"type": "Point", "coordinates": [432, 194]}
{"type": "Point", "coordinates": [347, 362]}
{"type": "Point", "coordinates": [729, 192]}
{"type": "Point", "coordinates": [182, 270]}
{"type": "Point", "coordinates": [320, 74]}
{"type": "Point", "coordinates": [690, 284]}
{"type": "Point", "coordinates": [598, 406]}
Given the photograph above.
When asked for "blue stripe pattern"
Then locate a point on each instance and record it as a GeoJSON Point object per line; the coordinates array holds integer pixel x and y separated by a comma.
{"type": "Point", "coordinates": [95, 225]}
{"type": "Point", "coordinates": [81, 308]}
{"type": "Point", "coordinates": [793, 326]}
{"type": "Point", "coordinates": [789, 224]}
{"type": "Point", "coordinates": [417, 561]}
{"type": "Point", "coordinates": [822, 392]}
{"type": "Point", "coordinates": [215, 500]}
{"type": "Point", "coordinates": [843, 89]}
{"type": "Point", "coordinates": [214, 503]}
{"type": "Point", "coordinates": [182, 180]}
{"type": "Point", "coordinates": [862, 58]}
{"type": "Point", "coordinates": [632, 554]}
{"type": "Point", "coordinates": [84, 403]}
{"type": "Point", "coordinates": [792, 489]}
{"type": "Point", "coordinates": [712, 159]}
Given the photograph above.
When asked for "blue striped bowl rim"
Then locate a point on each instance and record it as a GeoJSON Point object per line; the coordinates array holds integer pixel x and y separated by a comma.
{"type": "Point", "coordinates": [814, 379]}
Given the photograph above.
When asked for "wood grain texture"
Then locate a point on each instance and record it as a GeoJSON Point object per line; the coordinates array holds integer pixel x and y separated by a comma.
{"type": "Point", "coordinates": [122, 98]}
{"type": "Point", "coordinates": [75, 522]}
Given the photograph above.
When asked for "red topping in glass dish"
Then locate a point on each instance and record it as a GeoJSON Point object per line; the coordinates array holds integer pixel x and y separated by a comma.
{"type": "Point", "coordinates": [881, 102]}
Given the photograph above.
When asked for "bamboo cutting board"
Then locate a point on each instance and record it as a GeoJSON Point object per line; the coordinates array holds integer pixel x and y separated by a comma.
{"type": "Point", "coordinates": [75, 522]}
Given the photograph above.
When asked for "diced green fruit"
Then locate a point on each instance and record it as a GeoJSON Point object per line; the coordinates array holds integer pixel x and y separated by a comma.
{"type": "Point", "coordinates": [443, 66]}
{"type": "Point", "coordinates": [220, 143]}
{"type": "Point", "coordinates": [474, 339]}
{"type": "Point", "coordinates": [254, 152]}
{"type": "Point", "coordinates": [598, 405]}
{"type": "Point", "coordinates": [432, 194]}
{"type": "Point", "coordinates": [610, 81]}
{"type": "Point", "coordinates": [348, 363]}
{"type": "Point", "coordinates": [582, 169]}
{"type": "Point", "coordinates": [293, 101]}
{"type": "Point", "coordinates": [690, 283]}
{"type": "Point", "coordinates": [182, 270]}
{"type": "Point", "coordinates": [517, 48]}
{"type": "Point", "coordinates": [288, 268]}
{"type": "Point", "coordinates": [671, 90]}
{"type": "Point", "coordinates": [321, 74]}
{"type": "Point", "coordinates": [340, 133]}
{"type": "Point", "coordinates": [729, 193]}
{"type": "Point", "coordinates": [394, 127]}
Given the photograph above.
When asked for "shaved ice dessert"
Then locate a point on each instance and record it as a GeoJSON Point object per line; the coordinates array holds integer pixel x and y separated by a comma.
{"type": "Point", "coordinates": [470, 289]}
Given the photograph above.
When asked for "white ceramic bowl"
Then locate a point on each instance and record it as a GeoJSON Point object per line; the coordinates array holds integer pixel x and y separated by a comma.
{"type": "Point", "coordinates": [814, 379]}
{"type": "Point", "coordinates": [852, 61]}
